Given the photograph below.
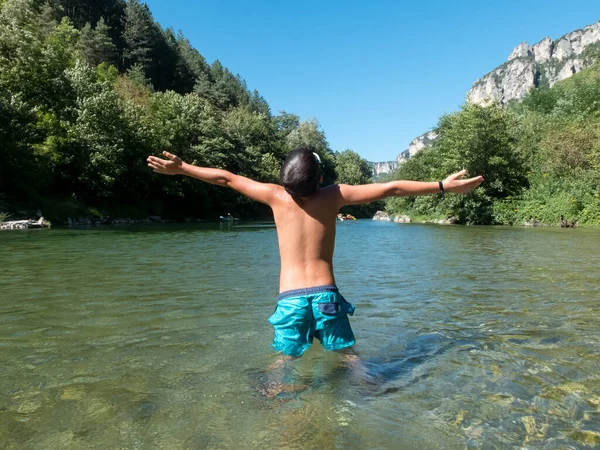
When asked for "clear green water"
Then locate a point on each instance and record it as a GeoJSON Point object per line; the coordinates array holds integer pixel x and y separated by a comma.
{"type": "Point", "coordinates": [156, 337]}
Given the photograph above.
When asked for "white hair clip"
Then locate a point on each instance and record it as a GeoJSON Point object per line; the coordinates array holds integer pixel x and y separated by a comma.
{"type": "Point", "coordinates": [317, 156]}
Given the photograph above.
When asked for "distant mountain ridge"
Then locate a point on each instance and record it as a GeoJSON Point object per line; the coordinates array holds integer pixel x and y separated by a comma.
{"type": "Point", "coordinates": [542, 64]}
{"type": "Point", "coordinates": [417, 144]}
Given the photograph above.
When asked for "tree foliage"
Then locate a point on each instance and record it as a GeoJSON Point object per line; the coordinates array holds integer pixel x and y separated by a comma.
{"type": "Point", "coordinates": [350, 168]}
{"type": "Point", "coordinates": [88, 89]}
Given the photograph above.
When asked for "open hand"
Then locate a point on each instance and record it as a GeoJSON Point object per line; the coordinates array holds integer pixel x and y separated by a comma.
{"type": "Point", "coordinates": [171, 166]}
{"type": "Point", "coordinates": [453, 183]}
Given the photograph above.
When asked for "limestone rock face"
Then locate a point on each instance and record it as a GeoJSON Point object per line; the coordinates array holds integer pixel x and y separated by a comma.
{"type": "Point", "coordinates": [421, 142]}
{"type": "Point", "coordinates": [544, 62]}
{"type": "Point", "coordinates": [563, 50]}
{"type": "Point", "coordinates": [542, 51]}
{"type": "Point", "coordinates": [513, 80]}
{"type": "Point", "coordinates": [518, 79]}
{"type": "Point", "coordinates": [520, 51]}
{"type": "Point", "coordinates": [414, 147]}
{"type": "Point", "coordinates": [381, 168]}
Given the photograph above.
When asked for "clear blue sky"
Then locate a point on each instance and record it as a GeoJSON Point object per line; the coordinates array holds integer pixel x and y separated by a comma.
{"type": "Point", "coordinates": [375, 73]}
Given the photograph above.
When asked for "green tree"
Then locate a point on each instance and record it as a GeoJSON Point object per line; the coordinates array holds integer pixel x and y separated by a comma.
{"type": "Point", "coordinates": [309, 134]}
{"type": "Point", "coordinates": [85, 45]}
{"type": "Point", "coordinates": [90, 11]}
{"type": "Point", "coordinates": [253, 137]}
{"type": "Point", "coordinates": [350, 168]}
{"type": "Point", "coordinates": [259, 104]}
{"type": "Point", "coordinates": [193, 61]}
{"type": "Point", "coordinates": [104, 48]}
{"type": "Point", "coordinates": [479, 140]}
{"type": "Point", "coordinates": [138, 36]}
{"type": "Point", "coordinates": [285, 123]}
{"type": "Point", "coordinates": [22, 171]}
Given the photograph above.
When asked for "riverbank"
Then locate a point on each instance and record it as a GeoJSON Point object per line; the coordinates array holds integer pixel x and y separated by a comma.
{"type": "Point", "coordinates": [26, 224]}
{"type": "Point", "coordinates": [61, 211]}
{"type": "Point", "coordinates": [404, 218]}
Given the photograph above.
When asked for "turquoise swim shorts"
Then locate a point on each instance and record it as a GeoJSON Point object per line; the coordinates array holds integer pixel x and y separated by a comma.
{"type": "Point", "coordinates": [319, 312]}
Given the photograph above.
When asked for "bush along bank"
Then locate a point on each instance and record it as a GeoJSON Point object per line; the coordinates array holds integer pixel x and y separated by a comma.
{"type": "Point", "coordinates": [540, 159]}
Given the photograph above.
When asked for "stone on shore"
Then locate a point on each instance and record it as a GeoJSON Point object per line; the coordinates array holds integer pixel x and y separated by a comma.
{"type": "Point", "coordinates": [382, 215]}
{"type": "Point", "coordinates": [385, 217]}
{"type": "Point", "coordinates": [402, 219]}
{"type": "Point", "coordinates": [24, 224]}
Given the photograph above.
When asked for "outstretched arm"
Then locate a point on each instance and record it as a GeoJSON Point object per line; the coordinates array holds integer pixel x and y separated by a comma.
{"type": "Point", "coordinates": [261, 192]}
{"type": "Point", "coordinates": [366, 193]}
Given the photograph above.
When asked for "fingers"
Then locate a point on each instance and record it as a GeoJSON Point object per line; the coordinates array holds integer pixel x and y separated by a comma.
{"type": "Point", "coordinates": [463, 186]}
{"type": "Point", "coordinates": [155, 165]}
{"type": "Point", "coordinates": [477, 180]}
{"type": "Point", "coordinates": [458, 175]}
{"type": "Point", "coordinates": [471, 183]}
{"type": "Point", "coordinates": [171, 156]}
{"type": "Point", "coordinates": [156, 160]}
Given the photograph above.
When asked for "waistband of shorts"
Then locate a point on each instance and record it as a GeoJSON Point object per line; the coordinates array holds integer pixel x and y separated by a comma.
{"type": "Point", "coordinates": [308, 291]}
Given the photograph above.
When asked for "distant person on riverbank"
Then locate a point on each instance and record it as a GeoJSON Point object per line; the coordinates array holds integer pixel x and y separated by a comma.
{"type": "Point", "coordinates": [309, 303]}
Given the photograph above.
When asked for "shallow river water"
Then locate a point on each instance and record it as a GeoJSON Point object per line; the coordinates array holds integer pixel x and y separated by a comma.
{"type": "Point", "coordinates": [157, 337]}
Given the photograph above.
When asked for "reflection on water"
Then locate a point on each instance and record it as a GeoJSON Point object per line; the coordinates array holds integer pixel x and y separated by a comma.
{"type": "Point", "coordinates": [156, 337]}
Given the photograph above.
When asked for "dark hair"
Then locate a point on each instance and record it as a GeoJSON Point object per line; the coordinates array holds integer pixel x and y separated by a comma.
{"type": "Point", "coordinates": [300, 173]}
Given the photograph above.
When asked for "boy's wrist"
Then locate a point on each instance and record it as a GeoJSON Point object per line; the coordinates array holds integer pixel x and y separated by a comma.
{"type": "Point", "coordinates": [184, 168]}
{"type": "Point", "coordinates": [442, 188]}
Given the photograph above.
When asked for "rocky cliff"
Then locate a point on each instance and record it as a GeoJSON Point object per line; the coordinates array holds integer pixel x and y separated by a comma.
{"type": "Point", "coordinates": [420, 142]}
{"type": "Point", "coordinates": [381, 168]}
{"type": "Point", "coordinates": [541, 64]}
{"type": "Point", "coordinates": [417, 144]}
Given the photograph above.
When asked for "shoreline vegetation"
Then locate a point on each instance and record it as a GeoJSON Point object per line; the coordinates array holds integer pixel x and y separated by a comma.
{"type": "Point", "coordinates": [385, 217]}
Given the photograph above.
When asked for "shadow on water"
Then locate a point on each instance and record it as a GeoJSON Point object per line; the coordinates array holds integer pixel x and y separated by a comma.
{"type": "Point", "coordinates": [400, 365]}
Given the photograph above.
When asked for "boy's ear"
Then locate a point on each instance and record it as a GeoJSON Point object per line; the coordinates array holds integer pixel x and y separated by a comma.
{"type": "Point", "coordinates": [321, 179]}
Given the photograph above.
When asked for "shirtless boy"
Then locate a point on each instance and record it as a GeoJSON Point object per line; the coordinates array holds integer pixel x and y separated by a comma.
{"type": "Point", "coordinates": [309, 303]}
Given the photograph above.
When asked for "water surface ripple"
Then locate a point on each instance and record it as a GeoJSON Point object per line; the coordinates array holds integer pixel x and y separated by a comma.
{"type": "Point", "coordinates": [156, 337]}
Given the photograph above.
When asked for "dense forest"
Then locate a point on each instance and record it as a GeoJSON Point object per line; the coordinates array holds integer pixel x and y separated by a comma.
{"type": "Point", "coordinates": [89, 88]}
{"type": "Point", "coordinates": [540, 158]}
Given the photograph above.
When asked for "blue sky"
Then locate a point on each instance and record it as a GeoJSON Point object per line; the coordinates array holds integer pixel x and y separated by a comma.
{"type": "Point", "coordinates": [375, 73]}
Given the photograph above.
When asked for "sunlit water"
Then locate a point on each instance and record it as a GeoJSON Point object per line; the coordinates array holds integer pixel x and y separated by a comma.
{"type": "Point", "coordinates": [156, 337]}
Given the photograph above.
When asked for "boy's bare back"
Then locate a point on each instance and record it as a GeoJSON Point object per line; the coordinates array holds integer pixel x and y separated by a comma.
{"type": "Point", "coordinates": [306, 235]}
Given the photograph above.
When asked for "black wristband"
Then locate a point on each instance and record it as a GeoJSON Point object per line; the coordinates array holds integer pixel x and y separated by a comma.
{"type": "Point", "coordinates": [442, 188]}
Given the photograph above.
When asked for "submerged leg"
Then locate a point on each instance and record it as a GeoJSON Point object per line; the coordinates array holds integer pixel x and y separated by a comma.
{"type": "Point", "coordinates": [275, 383]}
{"type": "Point", "coordinates": [359, 373]}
